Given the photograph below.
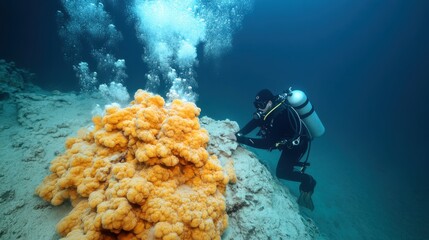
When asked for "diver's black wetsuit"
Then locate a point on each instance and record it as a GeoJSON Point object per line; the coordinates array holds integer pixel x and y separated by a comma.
{"type": "Point", "coordinates": [275, 127]}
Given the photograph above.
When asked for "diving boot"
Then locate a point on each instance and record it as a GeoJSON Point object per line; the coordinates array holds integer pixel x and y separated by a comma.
{"type": "Point", "coordinates": [307, 189]}
{"type": "Point", "coordinates": [305, 200]}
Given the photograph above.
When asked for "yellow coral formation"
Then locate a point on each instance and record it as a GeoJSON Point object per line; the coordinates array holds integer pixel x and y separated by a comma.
{"type": "Point", "coordinates": [143, 172]}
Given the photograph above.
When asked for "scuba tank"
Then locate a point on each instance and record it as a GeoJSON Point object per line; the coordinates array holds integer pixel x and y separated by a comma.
{"type": "Point", "coordinates": [299, 101]}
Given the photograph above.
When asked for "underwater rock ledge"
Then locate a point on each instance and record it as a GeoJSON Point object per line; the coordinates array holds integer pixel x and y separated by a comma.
{"type": "Point", "coordinates": [258, 206]}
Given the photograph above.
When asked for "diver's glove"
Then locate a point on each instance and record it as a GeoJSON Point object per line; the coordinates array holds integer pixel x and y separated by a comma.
{"type": "Point", "coordinates": [238, 135]}
{"type": "Point", "coordinates": [245, 140]}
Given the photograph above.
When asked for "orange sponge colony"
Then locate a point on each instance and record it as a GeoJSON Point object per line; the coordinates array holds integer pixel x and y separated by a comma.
{"type": "Point", "coordinates": [142, 172]}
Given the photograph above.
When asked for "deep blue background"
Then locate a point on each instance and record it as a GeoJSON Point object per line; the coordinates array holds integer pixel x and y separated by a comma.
{"type": "Point", "coordinates": [364, 65]}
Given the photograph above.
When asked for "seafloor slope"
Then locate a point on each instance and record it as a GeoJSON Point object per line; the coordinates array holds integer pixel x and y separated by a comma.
{"type": "Point", "coordinates": [34, 125]}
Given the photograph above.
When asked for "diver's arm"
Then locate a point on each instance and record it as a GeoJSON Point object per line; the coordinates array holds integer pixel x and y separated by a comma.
{"type": "Point", "coordinates": [252, 142]}
{"type": "Point", "coordinates": [250, 126]}
{"type": "Point", "coordinates": [261, 143]}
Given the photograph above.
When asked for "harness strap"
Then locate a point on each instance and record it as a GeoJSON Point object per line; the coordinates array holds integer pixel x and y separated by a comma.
{"type": "Point", "coordinates": [274, 108]}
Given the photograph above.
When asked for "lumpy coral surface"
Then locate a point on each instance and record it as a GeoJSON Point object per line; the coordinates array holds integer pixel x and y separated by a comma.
{"type": "Point", "coordinates": [142, 172]}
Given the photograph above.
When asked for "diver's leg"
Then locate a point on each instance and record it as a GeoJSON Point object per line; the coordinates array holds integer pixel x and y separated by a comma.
{"type": "Point", "coordinates": [286, 167]}
{"type": "Point", "coordinates": [285, 170]}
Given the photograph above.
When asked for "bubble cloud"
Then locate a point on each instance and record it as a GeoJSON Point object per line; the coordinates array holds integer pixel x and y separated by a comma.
{"type": "Point", "coordinates": [115, 91]}
{"type": "Point", "coordinates": [172, 34]}
{"type": "Point", "coordinates": [172, 31]}
{"type": "Point", "coordinates": [87, 79]}
{"type": "Point", "coordinates": [86, 28]}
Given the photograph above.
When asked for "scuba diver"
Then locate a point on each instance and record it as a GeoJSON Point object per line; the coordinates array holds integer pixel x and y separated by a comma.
{"type": "Point", "coordinates": [286, 122]}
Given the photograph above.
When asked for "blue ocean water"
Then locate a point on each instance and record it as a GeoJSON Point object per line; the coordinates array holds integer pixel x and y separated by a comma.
{"type": "Point", "coordinates": [363, 64]}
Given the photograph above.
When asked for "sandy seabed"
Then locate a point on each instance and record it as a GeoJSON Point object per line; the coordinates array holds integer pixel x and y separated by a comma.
{"type": "Point", "coordinates": [33, 128]}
